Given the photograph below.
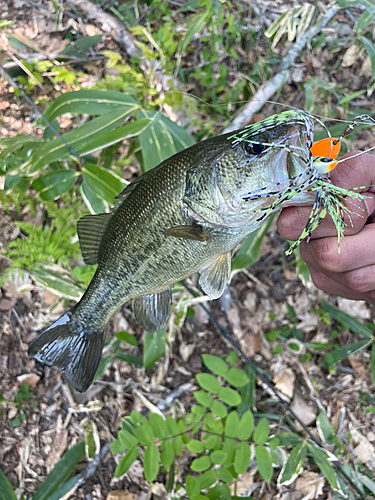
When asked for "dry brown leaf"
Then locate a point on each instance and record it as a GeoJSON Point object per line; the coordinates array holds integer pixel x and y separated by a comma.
{"type": "Point", "coordinates": [284, 382]}
{"type": "Point", "coordinates": [310, 484]}
{"type": "Point", "coordinates": [29, 378]}
{"type": "Point", "coordinates": [305, 411]}
{"type": "Point", "coordinates": [356, 308]}
{"type": "Point", "coordinates": [351, 56]}
{"type": "Point", "coordinates": [120, 495]}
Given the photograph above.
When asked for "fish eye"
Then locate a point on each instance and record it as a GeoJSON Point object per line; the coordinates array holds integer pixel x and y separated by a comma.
{"type": "Point", "coordinates": [254, 149]}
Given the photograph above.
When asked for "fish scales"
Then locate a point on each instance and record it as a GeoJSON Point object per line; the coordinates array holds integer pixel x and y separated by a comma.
{"type": "Point", "coordinates": [184, 216]}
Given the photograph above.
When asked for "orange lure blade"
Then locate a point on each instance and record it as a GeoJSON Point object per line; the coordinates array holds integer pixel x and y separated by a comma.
{"type": "Point", "coordinates": [327, 148]}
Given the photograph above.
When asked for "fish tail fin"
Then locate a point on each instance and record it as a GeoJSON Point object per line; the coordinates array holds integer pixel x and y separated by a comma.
{"type": "Point", "coordinates": [72, 346]}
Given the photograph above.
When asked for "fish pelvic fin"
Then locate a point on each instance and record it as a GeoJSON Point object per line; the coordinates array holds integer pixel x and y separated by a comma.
{"type": "Point", "coordinates": [73, 347]}
{"type": "Point", "coordinates": [152, 311]}
{"type": "Point", "coordinates": [214, 277]}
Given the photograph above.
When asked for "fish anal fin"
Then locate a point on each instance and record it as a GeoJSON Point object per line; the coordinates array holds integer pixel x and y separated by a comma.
{"type": "Point", "coordinates": [152, 311]}
{"type": "Point", "coordinates": [186, 232]}
{"type": "Point", "coordinates": [214, 277]}
{"type": "Point", "coordinates": [90, 231]}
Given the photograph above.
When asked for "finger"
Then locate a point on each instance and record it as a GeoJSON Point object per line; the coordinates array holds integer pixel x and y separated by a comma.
{"type": "Point", "coordinates": [355, 251]}
{"type": "Point", "coordinates": [331, 286]}
{"type": "Point", "coordinates": [292, 220]}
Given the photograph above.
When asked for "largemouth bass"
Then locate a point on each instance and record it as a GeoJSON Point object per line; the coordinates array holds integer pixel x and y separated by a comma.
{"type": "Point", "coordinates": [186, 215]}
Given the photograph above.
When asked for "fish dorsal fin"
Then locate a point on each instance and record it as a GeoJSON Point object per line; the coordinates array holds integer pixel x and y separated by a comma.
{"type": "Point", "coordinates": [186, 232]}
{"type": "Point", "coordinates": [152, 311]}
{"type": "Point", "coordinates": [214, 277]}
{"type": "Point", "coordinates": [90, 230]}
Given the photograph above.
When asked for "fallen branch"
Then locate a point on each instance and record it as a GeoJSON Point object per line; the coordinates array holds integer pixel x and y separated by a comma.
{"type": "Point", "coordinates": [273, 85]}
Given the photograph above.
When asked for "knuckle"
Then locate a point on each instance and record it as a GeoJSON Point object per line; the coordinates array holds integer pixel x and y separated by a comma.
{"type": "Point", "coordinates": [324, 253]}
{"type": "Point", "coordinates": [357, 280]}
{"type": "Point", "coordinates": [291, 222]}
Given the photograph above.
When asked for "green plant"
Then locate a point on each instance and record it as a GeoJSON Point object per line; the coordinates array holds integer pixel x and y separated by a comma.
{"type": "Point", "coordinates": [23, 404]}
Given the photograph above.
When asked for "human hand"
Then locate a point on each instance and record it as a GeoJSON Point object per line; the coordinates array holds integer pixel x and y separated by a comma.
{"type": "Point", "coordinates": [350, 273]}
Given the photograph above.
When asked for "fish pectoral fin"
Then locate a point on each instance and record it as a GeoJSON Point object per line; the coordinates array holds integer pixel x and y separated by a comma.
{"type": "Point", "coordinates": [152, 311]}
{"type": "Point", "coordinates": [90, 230]}
{"type": "Point", "coordinates": [186, 232]}
{"type": "Point", "coordinates": [214, 278]}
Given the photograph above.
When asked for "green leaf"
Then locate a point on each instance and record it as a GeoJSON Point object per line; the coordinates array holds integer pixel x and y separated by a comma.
{"type": "Point", "coordinates": [345, 351]}
{"type": "Point", "coordinates": [172, 426]}
{"type": "Point", "coordinates": [127, 439]}
{"type": "Point", "coordinates": [167, 453]}
{"type": "Point", "coordinates": [116, 447]}
{"type": "Point", "coordinates": [126, 462]}
{"type": "Point", "coordinates": [321, 459]}
{"type": "Point", "coordinates": [91, 102]}
{"type": "Point", "coordinates": [246, 426]}
{"type": "Point", "coordinates": [262, 431]}
{"type": "Point", "coordinates": [206, 480]}
{"type": "Point", "coordinates": [6, 489]}
{"type": "Point", "coordinates": [64, 488]}
{"type": "Point", "coordinates": [352, 323]}
{"type": "Point", "coordinates": [369, 483]}
{"type": "Point", "coordinates": [61, 471]}
{"type": "Point", "coordinates": [51, 186]}
{"type": "Point", "coordinates": [93, 203]}
{"type": "Point", "coordinates": [324, 427]}
{"type": "Point", "coordinates": [177, 445]}
{"type": "Point", "coordinates": [153, 347]}
{"type": "Point", "coordinates": [145, 433]}
{"type": "Point", "coordinates": [242, 457]}
{"type": "Point", "coordinates": [151, 462]}
{"type": "Point", "coordinates": [195, 446]}
{"type": "Point", "coordinates": [250, 247]}
{"type": "Point", "coordinates": [196, 23]}
{"type": "Point", "coordinates": [78, 139]}
{"type": "Point", "coordinates": [60, 284]}
{"type": "Point", "coordinates": [218, 409]}
{"type": "Point", "coordinates": [203, 398]}
{"type": "Point", "coordinates": [231, 424]}
{"type": "Point", "coordinates": [128, 338]}
{"type": "Point", "coordinates": [159, 425]}
{"type": "Point", "coordinates": [200, 464]}
{"type": "Point", "coordinates": [294, 464]}
{"type": "Point", "coordinates": [161, 139]}
{"type": "Point", "coordinates": [219, 457]}
{"type": "Point", "coordinates": [237, 377]}
{"type": "Point", "coordinates": [208, 382]}
{"type": "Point", "coordinates": [215, 364]}
{"type": "Point", "coordinates": [229, 396]}
{"type": "Point", "coordinates": [191, 485]}
{"type": "Point", "coordinates": [264, 462]}
{"type": "Point", "coordinates": [129, 358]}
{"type": "Point", "coordinates": [224, 475]}
{"type": "Point", "coordinates": [103, 184]}
{"type": "Point", "coordinates": [370, 49]}
{"type": "Point", "coordinates": [229, 446]}
{"type": "Point", "coordinates": [373, 363]}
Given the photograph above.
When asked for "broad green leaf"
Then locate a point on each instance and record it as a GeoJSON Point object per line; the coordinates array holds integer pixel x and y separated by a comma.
{"type": "Point", "coordinates": [323, 425]}
{"type": "Point", "coordinates": [248, 392]}
{"type": "Point", "coordinates": [127, 439]}
{"type": "Point", "coordinates": [208, 382]}
{"type": "Point", "coordinates": [231, 424]}
{"type": "Point", "coordinates": [352, 323]}
{"type": "Point", "coordinates": [203, 398]}
{"type": "Point", "coordinates": [369, 483]}
{"type": "Point", "coordinates": [218, 409]}
{"type": "Point", "coordinates": [200, 464]}
{"type": "Point", "coordinates": [64, 488]}
{"type": "Point", "coordinates": [229, 396]}
{"type": "Point", "coordinates": [88, 134]}
{"type": "Point", "coordinates": [262, 431]}
{"type": "Point", "coordinates": [159, 425]}
{"type": "Point", "coordinates": [94, 204]}
{"type": "Point", "coordinates": [237, 377]}
{"type": "Point", "coordinates": [52, 185]}
{"type": "Point", "coordinates": [206, 480]}
{"type": "Point", "coordinates": [345, 351]}
{"type": "Point", "coordinates": [60, 284]}
{"type": "Point", "coordinates": [224, 475]}
{"type": "Point", "coordinates": [177, 445]}
{"type": "Point", "coordinates": [6, 489]}
{"type": "Point", "coordinates": [167, 453]}
{"type": "Point", "coordinates": [116, 447]}
{"type": "Point", "coordinates": [373, 363]}
{"type": "Point", "coordinates": [250, 248]}
{"type": "Point", "coordinates": [91, 102]}
{"type": "Point", "coordinates": [242, 457]}
{"type": "Point", "coordinates": [129, 358]}
{"type": "Point", "coordinates": [128, 338]}
{"type": "Point", "coordinates": [61, 471]}
{"type": "Point", "coordinates": [294, 464]}
{"type": "Point", "coordinates": [145, 433]}
{"type": "Point", "coordinates": [246, 426]}
{"type": "Point", "coordinates": [126, 462]}
{"type": "Point", "coordinates": [215, 364]}
{"type": "Point", "coordinates": [264, 462]}
{"type": "Point", "coordinates": [219, 457]}
{"type": "Point", "coordinates": [161, 139]}
{"type": "Point", "coordinates": [83, 44]}
{"type": "Point", "coordinates": [151, 462]}
{"type": "Point", "coordinates": [103, 184]}
{"type": "Point", "coordinates": [195, 446]}
{"type": "Point", "coordinates": [196, 23]}
{"type": "Point", "coordinates": [220, 491]}
{"type": "Point", "coordinates": [321, 460]}
{"type": "Point", "coordinates": [191, 485]}
{"type": "Point", "coordinates": [229, 446]}
{"type": "Point", "coordinates": [153, 347]}
{"type": "Point", "coordinates": [172, 426]}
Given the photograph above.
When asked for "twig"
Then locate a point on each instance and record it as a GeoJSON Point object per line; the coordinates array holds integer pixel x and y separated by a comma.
{"type": "Point", "coordinates": [273, 85]}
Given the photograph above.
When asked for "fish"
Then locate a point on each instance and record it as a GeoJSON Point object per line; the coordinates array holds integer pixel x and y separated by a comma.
{"type": "Point", "coordinates": [186, 215]}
